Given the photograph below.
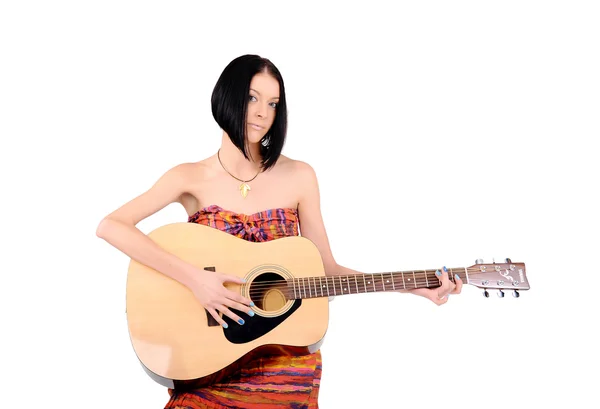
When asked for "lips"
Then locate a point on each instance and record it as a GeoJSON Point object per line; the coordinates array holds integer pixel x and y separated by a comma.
{"type": "Point", "coordinates": [257, 127]}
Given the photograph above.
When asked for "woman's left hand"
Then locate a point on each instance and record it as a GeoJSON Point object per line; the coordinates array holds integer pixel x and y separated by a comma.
{"type": "Point", "coordinates": [440, 294]}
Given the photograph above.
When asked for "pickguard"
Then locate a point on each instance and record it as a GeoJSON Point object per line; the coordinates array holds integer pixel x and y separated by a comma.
{"type": "Point", "coordinates": [254, 327]}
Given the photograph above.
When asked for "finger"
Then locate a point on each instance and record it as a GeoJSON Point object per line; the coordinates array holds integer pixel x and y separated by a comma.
{"type": "Point", "coordinates": [231, 314]}
{"type": "Point", "coordinates": [459, 284]}
{"type": "Point", "coordinates": [217, 317]}
{"type": "Point", "coordinates": [450, 283]}
{"type": "Point", "coordinates": [439, 300]}
{"type": "Point", "coordinates": [232, 295]}
{"type": "Point", "coordinates": [232, 279]}
{"type": "Point", "coordinates": [444, 287]}
{"type": "Point", "coordinates": [238, 306]}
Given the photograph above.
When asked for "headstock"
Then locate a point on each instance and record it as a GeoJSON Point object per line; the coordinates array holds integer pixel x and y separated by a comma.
{"type": "Point", "coordinates": [500, 276]}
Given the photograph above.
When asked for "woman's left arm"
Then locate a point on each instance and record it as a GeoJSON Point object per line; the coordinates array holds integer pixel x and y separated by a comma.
{"type": "Point", "coordinates": [313, 228]}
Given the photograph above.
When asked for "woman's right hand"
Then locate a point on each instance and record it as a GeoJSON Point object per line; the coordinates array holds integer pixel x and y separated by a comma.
{"type": "Point", "coordinates": [208, 288]}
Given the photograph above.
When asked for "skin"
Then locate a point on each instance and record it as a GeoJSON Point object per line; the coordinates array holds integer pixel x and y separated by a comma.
{"type": "Point", "coordinates": [289, 184]}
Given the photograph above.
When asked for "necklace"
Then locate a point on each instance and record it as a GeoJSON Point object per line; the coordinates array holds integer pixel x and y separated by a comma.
{"type": "Point", "coordinates": [244, 187]}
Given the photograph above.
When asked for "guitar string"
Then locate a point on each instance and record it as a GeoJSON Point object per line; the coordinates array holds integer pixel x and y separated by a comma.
{"type": "Point", "coordinates": [377, 278]}
{"type": "Point", "coordinates": [316, 284]}
{"type": "Point", "coordinates": [310, 288]}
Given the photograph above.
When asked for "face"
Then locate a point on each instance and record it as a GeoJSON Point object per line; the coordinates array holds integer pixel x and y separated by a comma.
{"type": "Point", "coordinates": [262, 106]}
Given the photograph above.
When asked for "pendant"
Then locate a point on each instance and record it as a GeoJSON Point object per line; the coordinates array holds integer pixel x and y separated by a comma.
{"type": "Point", "coordinates": [244, 188]}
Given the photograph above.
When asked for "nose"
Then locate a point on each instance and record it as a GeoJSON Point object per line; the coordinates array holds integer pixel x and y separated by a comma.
{"type": "Point", "coordinates": [261, 111]}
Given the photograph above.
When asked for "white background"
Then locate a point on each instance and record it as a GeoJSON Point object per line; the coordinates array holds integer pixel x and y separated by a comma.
{"type": "Point", "coordinates": [441, 132]}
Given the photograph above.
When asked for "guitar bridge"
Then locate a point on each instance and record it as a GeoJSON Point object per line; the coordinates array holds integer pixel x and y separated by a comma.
{"type": "Point", "coordinates": [212, 322]}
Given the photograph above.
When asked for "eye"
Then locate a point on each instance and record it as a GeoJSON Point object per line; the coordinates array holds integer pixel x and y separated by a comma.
{"type": "Point", "coordinates": [274, 105]}
{"type": "Point", "coordinates": [252, 96]}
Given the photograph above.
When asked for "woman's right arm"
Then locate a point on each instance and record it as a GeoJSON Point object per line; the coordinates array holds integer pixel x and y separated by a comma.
{"type": "Point", "coordinates": [119, 229]}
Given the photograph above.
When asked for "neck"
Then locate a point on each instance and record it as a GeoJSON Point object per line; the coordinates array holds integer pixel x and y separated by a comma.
{"type": "Point", "coordinates": [329, 286]}
{"type": "Point", "coordinates": [236, 163]}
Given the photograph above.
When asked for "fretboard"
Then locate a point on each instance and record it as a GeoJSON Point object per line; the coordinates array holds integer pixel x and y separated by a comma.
{"type": "Point", "coordinates": [331, 286]}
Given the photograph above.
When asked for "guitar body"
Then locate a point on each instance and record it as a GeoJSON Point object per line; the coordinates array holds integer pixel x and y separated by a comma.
{"type": "Point", "coordinates": [176, 339]}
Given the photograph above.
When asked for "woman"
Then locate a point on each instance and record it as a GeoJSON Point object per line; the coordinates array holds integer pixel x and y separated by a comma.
{"type": "Point", "coordinates": [248, 179]}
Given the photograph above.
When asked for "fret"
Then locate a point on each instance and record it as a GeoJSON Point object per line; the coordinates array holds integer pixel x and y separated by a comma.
{"type": "Point", "coordinates": [321, 285]}
{"type": "Point", "coordinates": [403, 282]}
{"type": "Point", "coordinates": [326, 286]}
{"type": "Point", "coordinates": [383, 281]}
{"type": "Point", "coordinates": [316, 287]}
{"type": "Point", "coordinates": [426, 280]}
{"type": "Point", "coordinates": [365, 281]}
{"type": "Point", "coordinates": [309, 292]}
{"type": "Point", "coordinates": [393, 284]}
{"type": "Point", "coordinates": [415, 279]}
{"type": "Point", "coordinates": [373, 278]}
{"type": "Point", "coordinates": [304, 287]}
{"type": "Point", "coordinates": [333, 279]}
{"type": "Point", "coordinates": [294, 284]}
{"type": "Point", "coordinates": [356, 282]}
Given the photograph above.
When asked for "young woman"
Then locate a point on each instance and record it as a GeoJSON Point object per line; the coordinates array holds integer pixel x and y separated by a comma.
{"type": "Point", "coordinates": [247, 180]}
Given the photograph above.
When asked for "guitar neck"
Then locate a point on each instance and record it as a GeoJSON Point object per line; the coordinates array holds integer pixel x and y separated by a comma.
{"type": "Point", "coordinates": [329, 286]}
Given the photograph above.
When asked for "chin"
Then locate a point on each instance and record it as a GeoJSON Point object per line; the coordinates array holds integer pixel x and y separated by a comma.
{"type": "Point", "coordinates": [255, 136]}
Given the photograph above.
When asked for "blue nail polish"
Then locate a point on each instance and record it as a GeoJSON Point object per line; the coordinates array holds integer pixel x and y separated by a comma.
{"type": "Point", "coordinates": [225, 325]}
{"type": "Point", "coordinates": [241, 321]}
{"type": "Point", "coordinates": [445, 269]}
{"type": "Point", "coordinates": [251, 313]}
{"type": "Point", "coordinates": [437, 273]}
{"type": "Point", "coordinates": [456, 276]}
{"type": "Point", "coordinates": [251, 303]}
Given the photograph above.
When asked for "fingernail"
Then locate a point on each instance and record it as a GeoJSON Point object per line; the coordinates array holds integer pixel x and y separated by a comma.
{"type": "Point", "coordinates": [241, 321]}
{"type": "Point", "coordinates": [251, 303]}
{"type": "Point", "coordinates": [456, 276]}
{"type": "Point", "coordinates": [225, 325]}
{"type": "Point", "coordinates": [445, 269]}
{"type": "Point", "coordinates": [437, 273]}
{"type": "Point", "coordinates": [251, 313]}
{"type": "Point", "coordinates": [243, 280]}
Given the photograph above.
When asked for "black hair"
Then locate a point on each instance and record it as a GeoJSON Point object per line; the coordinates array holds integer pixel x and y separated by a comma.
{"type": "Point", "coordinates": [229, 103]}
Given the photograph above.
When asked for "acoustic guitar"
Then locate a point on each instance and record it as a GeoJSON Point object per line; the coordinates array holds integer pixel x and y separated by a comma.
{"type": "Point", "coordinates": [175, 338]}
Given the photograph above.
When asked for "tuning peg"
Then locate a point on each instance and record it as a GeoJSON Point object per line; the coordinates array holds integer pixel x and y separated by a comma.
{"type": "Point", "coordinates": [508, 261]}
{"type": "Point", "coordinates": [479, 261]}
{"type": "Point", "coordinates": [485, 293]}
{"type": "Point", "coordinates": [500, 293]}
{"type": "Point", "coordinates": [516, 294]}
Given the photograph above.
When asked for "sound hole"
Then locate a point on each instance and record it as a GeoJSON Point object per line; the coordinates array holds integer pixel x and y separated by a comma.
{"type": "Point", "coordinates": [268, 291]}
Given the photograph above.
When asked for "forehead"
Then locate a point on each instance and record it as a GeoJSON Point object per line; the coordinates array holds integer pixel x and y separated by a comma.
{"type": "Point", "coordinates": [265, 85]}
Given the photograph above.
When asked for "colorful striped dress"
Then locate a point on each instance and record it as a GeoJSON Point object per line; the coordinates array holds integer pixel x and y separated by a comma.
{"type": "Point", "coordinates": [266, 381]}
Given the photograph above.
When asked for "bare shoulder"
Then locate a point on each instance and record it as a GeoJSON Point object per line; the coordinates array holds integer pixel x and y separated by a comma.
{"type": "Point", "coordinates": [189, 171]}
{"type": "Point", "coordinates": [297, 169]}
{"type": "Point", "coordinates": [172, 186]}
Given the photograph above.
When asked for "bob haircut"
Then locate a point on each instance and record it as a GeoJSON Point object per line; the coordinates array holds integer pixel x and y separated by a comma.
{"type": "Point", "coordinates": [229, 103]}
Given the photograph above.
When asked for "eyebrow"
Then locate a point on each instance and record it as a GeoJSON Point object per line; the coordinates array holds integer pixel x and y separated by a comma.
{"type": "Point", "coordinates": [252, 89]}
